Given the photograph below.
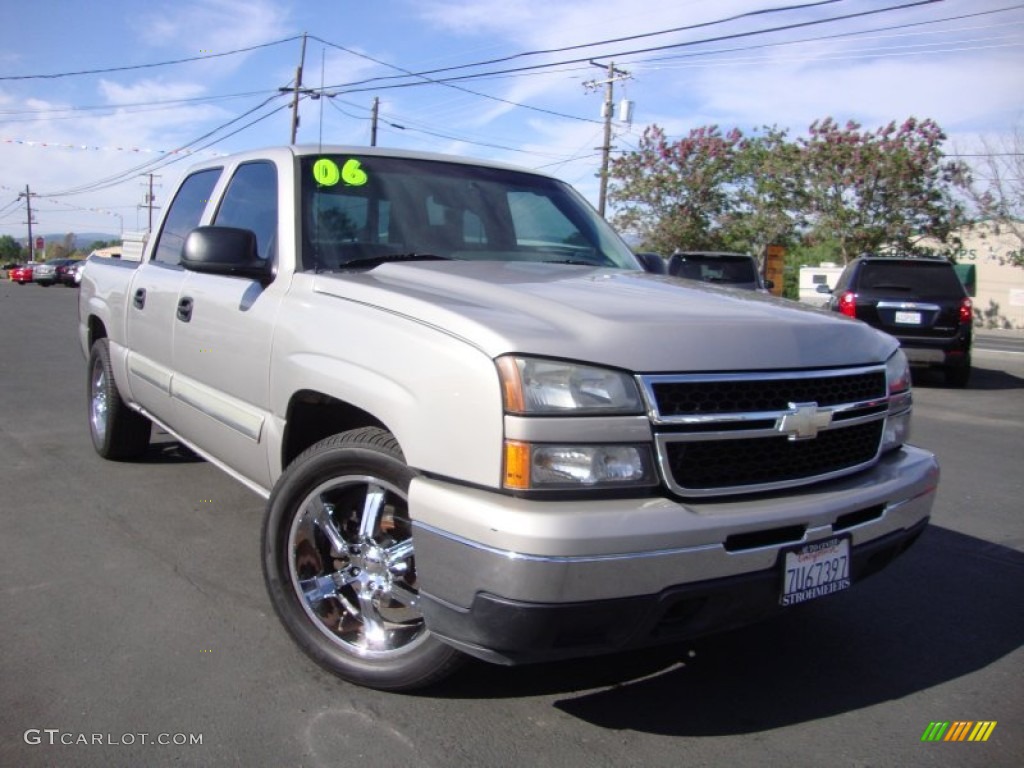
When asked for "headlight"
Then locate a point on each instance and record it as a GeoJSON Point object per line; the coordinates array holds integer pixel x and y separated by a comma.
{"type": "Point", "coordinates": [897, 373]}
{"type": "Point", "coordinates": [543, 466]}
{"type": "Point", "coordinates": [551, 387]}
{"type": "Point", "coordinates": [897, 423]}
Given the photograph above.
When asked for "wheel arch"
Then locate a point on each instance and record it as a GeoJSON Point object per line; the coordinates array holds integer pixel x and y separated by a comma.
{"type": "Point", "coordinates": [311, 416]}
{"type": "Point", "coordinates": [95, 330]}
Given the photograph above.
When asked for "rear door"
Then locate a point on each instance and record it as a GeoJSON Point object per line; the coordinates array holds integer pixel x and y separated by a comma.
{"type": "Point", "coordinates": [153, 298]}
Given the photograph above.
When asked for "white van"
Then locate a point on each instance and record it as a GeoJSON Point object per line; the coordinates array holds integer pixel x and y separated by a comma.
{"type": "Point", "coordinates": [826, 274]}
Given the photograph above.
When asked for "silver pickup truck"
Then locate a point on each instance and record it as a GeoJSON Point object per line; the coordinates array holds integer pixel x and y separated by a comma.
{"type": "Point", "coordinates": [482, 426]}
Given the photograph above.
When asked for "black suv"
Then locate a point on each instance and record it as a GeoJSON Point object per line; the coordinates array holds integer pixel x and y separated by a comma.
{"type": "Point", "coordinates": [919, 301]}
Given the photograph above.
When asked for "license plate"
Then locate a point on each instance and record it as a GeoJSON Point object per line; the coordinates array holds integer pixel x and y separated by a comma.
{"type": "Point", "coordinates": [815, 570]}
{"type": "Point", "coordinates": [908, 318]}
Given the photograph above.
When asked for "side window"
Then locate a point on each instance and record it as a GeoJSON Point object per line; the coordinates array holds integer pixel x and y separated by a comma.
{"type": "Point", "coordinates": [844, 279]}
{"type": "Point", "coordinates": [184, 215]}
{"type": "Point", "coordinates": [250, 202]}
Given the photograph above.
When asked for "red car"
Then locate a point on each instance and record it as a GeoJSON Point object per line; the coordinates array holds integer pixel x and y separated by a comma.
{"type": "Point", "coordinates": [21, 274]}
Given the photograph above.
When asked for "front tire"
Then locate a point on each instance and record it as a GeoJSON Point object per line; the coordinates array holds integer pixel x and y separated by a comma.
{"type": "Point", "coordinates": [117, 431]}
{"type": "Point", "coordinates": [339, 564]}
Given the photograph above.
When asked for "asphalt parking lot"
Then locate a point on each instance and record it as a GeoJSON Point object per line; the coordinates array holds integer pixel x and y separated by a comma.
{"type": "Point", "coordinates": [134, 627]}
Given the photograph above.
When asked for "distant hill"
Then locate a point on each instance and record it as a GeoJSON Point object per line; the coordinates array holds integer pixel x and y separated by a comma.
{"type": "Point", "coordinates": [82, 239]}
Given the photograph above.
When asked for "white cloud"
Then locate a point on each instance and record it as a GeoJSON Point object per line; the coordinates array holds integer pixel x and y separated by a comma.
{"type": "Point", "coordinates": [214, 25]}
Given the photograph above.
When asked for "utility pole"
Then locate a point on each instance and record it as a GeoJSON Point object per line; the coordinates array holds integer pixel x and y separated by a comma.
{"type": "Point", "coordinates": [607, 109]}
{"type": "Point", "coordinates": [373, 121]}
{"type": "Point", "coordinates": [297, 89]}
{"type": "Point", "coordinates": [150, 199]}
{"type": "Point", "coordinates": [27, 194]}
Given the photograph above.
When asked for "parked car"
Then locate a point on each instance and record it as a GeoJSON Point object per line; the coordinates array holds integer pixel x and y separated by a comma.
{"type": "Point", "coordinates": [736, 270]}
{"type": "Point", "coordinates": [46, 274]}
{"type": "Point", "coordinates": [920, 301]}
{"type": "Point", "coordinates": [66, 272]}
{"type": "Point", "coordinates": [21, 274]}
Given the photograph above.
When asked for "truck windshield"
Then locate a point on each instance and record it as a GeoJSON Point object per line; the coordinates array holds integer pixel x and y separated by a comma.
{"type": "Point", "coordinates": [358, 211]}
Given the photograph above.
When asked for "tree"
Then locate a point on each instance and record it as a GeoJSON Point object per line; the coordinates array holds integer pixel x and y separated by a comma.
{"type": "Point", "coordinates": [840, 190]}
{"type": "Point", "coordinates": [675, 194]}
{"type": "Point", "coordinates": [767, 198]}
{"type": "Point", "coordinates": [996, 188]}
{"type": "Point", "coordinates": [867, 191]}
{"type": "Point", "coordinates": [10, 249]}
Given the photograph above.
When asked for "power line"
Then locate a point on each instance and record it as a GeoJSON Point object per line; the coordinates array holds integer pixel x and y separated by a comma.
{"type": "Point", "coordinates": [127, 68]}
{"type": "Point", "coordinates": [128, 108]}
{"type": "Point", "coordinates": [428, 80]}
{"type": "Point", "coordinates": [348, 87]}
{"type": "Point", "coordinates": [579, 46]}
{"type": "Point", "coordinates": [163, 162]}
{"type": "Point", "coordinates": [838, 35]}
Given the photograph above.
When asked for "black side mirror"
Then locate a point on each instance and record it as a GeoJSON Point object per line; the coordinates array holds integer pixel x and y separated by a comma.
{"type": "Point", "coordinates": [224, 251]}
{"type": "Point", "coordinates": [652, 263]}
{"type": "Point", "coordinates": [823, 288]}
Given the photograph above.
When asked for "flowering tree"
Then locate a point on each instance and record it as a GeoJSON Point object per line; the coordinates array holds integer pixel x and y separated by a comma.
{"type": "Point", "coordinates": [866, 190]}
{"type": "Point", "coordinates": [858, 191]}
{"type": "Point", "coordinates": [766, 193]}
{"type": "Point", "coordinates": [675, 194]}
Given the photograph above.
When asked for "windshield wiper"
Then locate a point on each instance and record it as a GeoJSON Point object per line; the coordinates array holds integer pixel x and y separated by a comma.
{"type": "Point", "coordinates": [575, 262]}
{"type": "Point", "coordinates": [370, 262]}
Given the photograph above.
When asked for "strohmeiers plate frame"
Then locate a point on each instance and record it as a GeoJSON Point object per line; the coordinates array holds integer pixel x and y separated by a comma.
{"type": "Point", "coordinates": [826, 563]}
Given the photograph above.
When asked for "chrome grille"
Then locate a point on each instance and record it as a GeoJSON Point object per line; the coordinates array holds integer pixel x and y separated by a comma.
{"type": "Point", "coordinates": [743, 395]}
{"type": "Point", "coordinates": [721, 434]}
{"type": "Point", "coordinates": [714, 464]}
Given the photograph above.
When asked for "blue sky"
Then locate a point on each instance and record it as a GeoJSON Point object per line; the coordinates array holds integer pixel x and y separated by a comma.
{"type": "Point", "coordinates": [60, 134]}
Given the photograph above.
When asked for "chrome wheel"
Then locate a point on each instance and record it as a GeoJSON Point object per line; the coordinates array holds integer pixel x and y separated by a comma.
{"type": "Point", "coordinates": [117, 431]}
{"type": "Point", "coordinates": [340, 566]}
{"type": "Point", "coordinates": [98, 400]}
{"type": "Point", "coordinates": [351, 565]}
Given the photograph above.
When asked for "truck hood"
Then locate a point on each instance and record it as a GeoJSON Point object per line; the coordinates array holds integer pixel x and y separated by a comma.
{"type": "Point", "coordinates": [631, 320]}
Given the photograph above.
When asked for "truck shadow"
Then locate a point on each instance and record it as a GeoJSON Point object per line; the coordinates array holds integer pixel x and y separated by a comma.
{"type": "Point", "coordinates": [164, 449]}
{"type": "Point", "coordinates": [948, 607]}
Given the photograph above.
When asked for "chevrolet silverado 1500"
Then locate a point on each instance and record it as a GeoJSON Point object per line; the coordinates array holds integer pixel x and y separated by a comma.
{"type": "Point", "coordinates": [482, 426]}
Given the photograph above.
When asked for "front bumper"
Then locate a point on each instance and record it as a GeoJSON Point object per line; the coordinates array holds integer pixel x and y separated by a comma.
{"type": "Point", "coordinates": [514, 580]}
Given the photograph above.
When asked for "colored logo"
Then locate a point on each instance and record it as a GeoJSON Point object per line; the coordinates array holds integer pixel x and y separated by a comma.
{"type": "Point", "coordinates": [326, 172]}
{"type": "Point", "coordinates": [353, 174]}
{"type": "Point", "coordinates": [959, 730]}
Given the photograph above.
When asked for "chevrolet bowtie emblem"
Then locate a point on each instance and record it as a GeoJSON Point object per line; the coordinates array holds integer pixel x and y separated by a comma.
{"type": "Point", "coordinates": [803, 420]}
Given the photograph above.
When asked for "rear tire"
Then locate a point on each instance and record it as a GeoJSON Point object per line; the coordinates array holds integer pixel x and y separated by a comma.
{"type": "Point", "coordinates": [117, 431]}
{"type": "Point", "coordinates": [339, 565]}
{"type": "Point", "coordinates": [959, 376]}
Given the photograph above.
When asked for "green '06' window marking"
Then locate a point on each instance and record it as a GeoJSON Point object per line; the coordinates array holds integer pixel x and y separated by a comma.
{"type": "Point", "coordinates": [326, 173]}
